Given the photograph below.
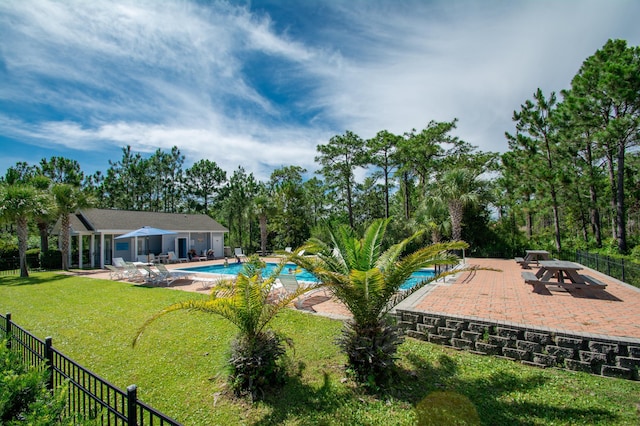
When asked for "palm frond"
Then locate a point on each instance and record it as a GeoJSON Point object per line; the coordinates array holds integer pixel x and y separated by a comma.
{"type": "Point", "coordinates": [244, 302]}
{"type": "Point", "coordinates": [372, 243]}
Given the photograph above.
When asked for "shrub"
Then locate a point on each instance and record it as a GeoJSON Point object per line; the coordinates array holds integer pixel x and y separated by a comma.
{"type": "Point", "coordinates": [24, 398]}
{"type": "Point", "coordinates": [371, 351]}
{"type": "Point", "coordinates": [51, 259]}
{"type": "Point", "coordinates": [256, 364]}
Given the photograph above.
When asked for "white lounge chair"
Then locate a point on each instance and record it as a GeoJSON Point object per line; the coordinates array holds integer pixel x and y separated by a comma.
{"type": "Point", "coordinates": [118, 262]}
{"type": "Point", "coordinates": [172, 258]}
{"type": "Point", "coordinates": [239, 254]}
{"type": "Point", "coordinates": [132, 273]}
{"type": "Point", "coordinates": [291, 285]}
{"type": "Point", "coordinates": [115, 273]}
{"type": "Point", "coordinates": [170, 276]}
{"type": "Point", "coordinates": [147, 258]}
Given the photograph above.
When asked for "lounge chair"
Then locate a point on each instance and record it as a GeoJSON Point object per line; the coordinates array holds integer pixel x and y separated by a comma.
{"type": "Point", "coordinates": [147, 259]}
{"type": "Point", "coordinates": [170, 276]}
{"type": "Point", "coordinates": [239, 254]}
{"type": "Point", "coordinates": [291, 285]}
{"type": "Point", "coordinates": [206, 282]}
{"type": "Point", "coordinates": [195, 257]}
{"type": "Point", "coordinates": [172, 258]}
{"type": "Point", "coordinates": [115, 273]}
{"type": "Point", "coordinates": [132, 273]}
{"type": "Point", "coordinates": [153, 277]}
{"type": "Point", "coordinates": [118, 262]}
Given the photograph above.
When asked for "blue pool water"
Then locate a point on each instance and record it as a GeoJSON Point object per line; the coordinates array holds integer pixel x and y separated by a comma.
{"type": "Point", "coordinates": [301, 274]}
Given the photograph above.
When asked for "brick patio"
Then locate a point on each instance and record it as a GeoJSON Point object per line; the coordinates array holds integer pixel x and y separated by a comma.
{"type": "Point", "coordinates": [503, 296]}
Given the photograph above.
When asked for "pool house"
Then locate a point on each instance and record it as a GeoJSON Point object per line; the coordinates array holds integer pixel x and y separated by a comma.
{"type": "Point", "coordinates": [94, 231]}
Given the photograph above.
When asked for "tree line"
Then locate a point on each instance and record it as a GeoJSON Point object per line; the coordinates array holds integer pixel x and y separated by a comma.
{"type": "Point", "coordinates": [568, 180]}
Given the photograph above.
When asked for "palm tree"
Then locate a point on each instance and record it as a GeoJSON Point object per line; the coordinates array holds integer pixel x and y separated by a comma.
{"type": "Point", "coordinates": [365, 277]}
{"type": "Point", "coordinates": [457, 189]}
{"type": "Point", "coordinates": [248, 303]}
{"type": "Point", "coordinates": [68, 198]}
{"type": "Point", "coordinates": [263, 208]}
{"type": "Point", "coordinates": [19, 203]}
{"type": "Point", "coordinates": [433, 214]}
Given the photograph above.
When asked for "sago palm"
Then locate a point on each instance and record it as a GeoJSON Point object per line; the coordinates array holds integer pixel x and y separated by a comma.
{"type": "Point", "coordinates": [365, 276]}
{"type": "Point", "coordinates": [250, 303]}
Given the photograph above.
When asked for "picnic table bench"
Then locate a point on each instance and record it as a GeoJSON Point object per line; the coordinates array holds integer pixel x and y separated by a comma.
{"type": "Point", "coordinates": [559, 273]}
{"type": "Point", "coordinates": [592, 281]}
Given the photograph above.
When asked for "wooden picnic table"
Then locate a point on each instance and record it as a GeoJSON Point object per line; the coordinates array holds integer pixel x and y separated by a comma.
{"type": "Point", "coordinates": [537, 255]}
{"type": "Point", "coordinates": [533, 256]}
{"type": "Point", "coordinates": [559, 273]}
{"type": "Point", "coordinates": [559, 269]}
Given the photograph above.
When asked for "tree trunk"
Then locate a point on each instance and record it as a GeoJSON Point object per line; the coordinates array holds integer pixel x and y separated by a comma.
{"type": "Point", "coordinates": [23, 233]}
{"type": "Point", "coordinates": [44, 236]}
{"type": "Point", "coordinates": [456, 211]}
{"type": "Point", "coordinates": [263, 233]}
{"type": "Point", "coordinates": [64, 244]}
{"type": "Point", "coordinates": [556, 219]}
{"type": "Point", "coordinates": [407, 202]}
{"type": "Point", "coordinates": [349, 203]}
{"type": "Point", "coordinates": [594, 211]}
{"type": "Point", "coordinates": [595, 216]}
{"type": "Point", "coordinates": [386, 194]}
{"type": "Point", "coordinates": [620, 213]}
{"type": "Point", "coordinates": [614, 191]}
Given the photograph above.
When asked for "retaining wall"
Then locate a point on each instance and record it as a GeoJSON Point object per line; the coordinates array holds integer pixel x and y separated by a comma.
{"type": "Point", "coordinates": [596, 354]}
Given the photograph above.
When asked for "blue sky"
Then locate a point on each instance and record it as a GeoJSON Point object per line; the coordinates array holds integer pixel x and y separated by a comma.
{"type": "Point", "coordinates": [259, 84]}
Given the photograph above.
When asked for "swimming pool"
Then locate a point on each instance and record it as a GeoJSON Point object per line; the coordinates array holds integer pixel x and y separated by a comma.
{"type": "Point", "coordinates": [301, 274]}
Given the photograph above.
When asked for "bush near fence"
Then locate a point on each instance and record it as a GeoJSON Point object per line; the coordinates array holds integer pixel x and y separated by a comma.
{"type": "Point", "coordinates": [88, 394]}
{"type": "Point", "coordinates": [48, 260]}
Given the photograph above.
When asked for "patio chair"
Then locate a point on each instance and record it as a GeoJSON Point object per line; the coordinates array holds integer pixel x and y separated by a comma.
{"type": "Point", "coordinates": [172, 258]}
{"type": "Point", "coordinates": [291, 285]}
{"type": "Point", "coordinates": [115, 273]}
{"type": "Point", "coordinates": [118, 262]}
{"type": "Point", "coordinates": [147, 258]}
{"type": "Point", "coordinates": [132, 273]}
{"type": "Point", "coordinates": [171, 276]}
{"type": "Point", "coordinates": [239, 254]}
{"type": "Point", "coordinates": [151, 276]}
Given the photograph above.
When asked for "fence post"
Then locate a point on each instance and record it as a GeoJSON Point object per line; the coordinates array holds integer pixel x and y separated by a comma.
{"type": "Point", "coordinates": [8, 328]}
{"type": "Point", "coordinates": [132, 405]}
{"type": "Point", "coordinates": [48, 353]}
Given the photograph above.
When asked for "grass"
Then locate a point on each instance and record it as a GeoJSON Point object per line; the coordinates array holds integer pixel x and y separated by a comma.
{"type": "Point", "coordinates": [179, 366]}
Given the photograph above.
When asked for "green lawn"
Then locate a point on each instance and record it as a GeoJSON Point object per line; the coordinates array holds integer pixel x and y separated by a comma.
{"type": "Point", "coordinates": [179, 365]}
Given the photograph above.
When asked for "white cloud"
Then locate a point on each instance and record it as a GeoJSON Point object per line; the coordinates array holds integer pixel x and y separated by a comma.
{"type": "Point", "coordinates": [220, 82]}
{"type": "Point", "coordinates": [474, 61]}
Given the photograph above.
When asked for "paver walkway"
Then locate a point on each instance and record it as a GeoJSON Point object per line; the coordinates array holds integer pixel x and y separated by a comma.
{"type": "Point", "coordinates": [504, 296]}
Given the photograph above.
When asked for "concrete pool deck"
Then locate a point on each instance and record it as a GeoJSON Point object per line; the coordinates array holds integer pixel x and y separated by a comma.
{"type": "Point", "coordinates": [497, 295]}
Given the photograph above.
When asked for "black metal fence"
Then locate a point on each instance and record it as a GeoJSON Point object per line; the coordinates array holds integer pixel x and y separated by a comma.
{"type": "Point", "coordinates": [625, 271]}
{"type": "Point", "coordinates": [88, 395]}
{"type": "Point", "coordinates": [48, 260]}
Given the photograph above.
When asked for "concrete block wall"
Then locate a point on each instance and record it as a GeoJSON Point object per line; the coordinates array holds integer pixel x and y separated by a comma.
{"type": "Point", "coordinates": [542, 347]}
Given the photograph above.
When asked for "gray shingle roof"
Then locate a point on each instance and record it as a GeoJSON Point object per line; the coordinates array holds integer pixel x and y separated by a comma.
{"type": "Point", "coordinates": [117, 221]}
